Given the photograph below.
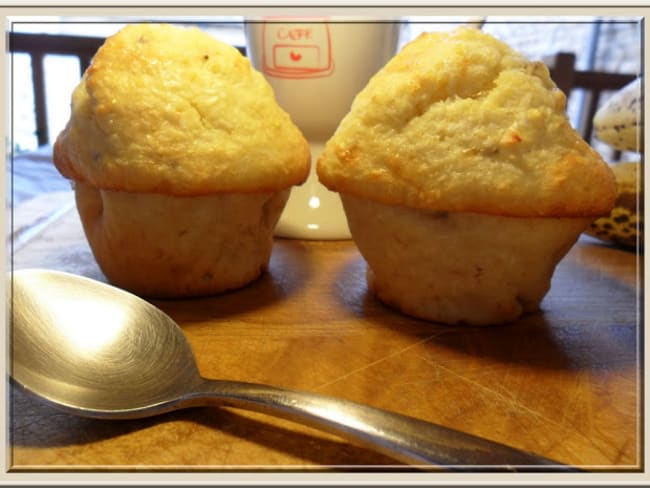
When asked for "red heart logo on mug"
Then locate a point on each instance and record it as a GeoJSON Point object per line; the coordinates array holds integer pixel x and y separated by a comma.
{"type": "Point", "coordinates": [295, 56]}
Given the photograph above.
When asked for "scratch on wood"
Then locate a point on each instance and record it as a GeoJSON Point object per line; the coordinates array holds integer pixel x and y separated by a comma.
{"type": "Point", "coordinates": [505, 398]}
{"type": "Point", "coordinates": [374, 363]}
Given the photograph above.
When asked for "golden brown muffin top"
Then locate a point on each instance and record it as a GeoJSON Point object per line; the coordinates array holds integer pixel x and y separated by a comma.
{"type": "Point", "coordinates": [171, 110]}
{"type": "Point", "coordinates": [459, 121]}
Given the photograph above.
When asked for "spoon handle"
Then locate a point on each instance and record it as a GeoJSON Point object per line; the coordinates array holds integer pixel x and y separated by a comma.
{"type": "Point", "coordinates": [403, 438]}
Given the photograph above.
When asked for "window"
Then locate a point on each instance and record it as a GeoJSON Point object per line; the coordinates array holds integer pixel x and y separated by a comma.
{"type": "Point", "coordinates": [62, 73]}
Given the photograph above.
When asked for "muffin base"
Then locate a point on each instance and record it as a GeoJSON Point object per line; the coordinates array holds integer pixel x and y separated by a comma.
{"type": "Point", "coordinates": [458, 268]}
{"type": "Point", "coordinates": [163, 246]}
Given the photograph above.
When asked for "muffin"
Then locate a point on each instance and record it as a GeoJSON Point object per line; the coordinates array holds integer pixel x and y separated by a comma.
{"type": "Point", "coordinates": [463, 182]}
{"type": "Point", "coordinates": [624, 224]}
{"type": "Point", "coordinates": [182, 162]}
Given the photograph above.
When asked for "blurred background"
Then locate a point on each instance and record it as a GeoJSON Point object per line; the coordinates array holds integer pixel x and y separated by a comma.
{"type": "Point", "coordinates": [603, 44]}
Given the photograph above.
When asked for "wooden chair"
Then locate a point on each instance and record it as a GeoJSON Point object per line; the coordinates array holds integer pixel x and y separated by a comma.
{"type": "Point", "coordinates": [595, 84]}
{"type": "Point", "coordinates": [37, 46]}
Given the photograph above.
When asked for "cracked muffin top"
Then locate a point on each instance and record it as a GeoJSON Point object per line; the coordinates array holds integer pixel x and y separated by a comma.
{"type": "Point", "coordinates": [164, 109]}
{"type": "Point", "coordinates": [460, 122]}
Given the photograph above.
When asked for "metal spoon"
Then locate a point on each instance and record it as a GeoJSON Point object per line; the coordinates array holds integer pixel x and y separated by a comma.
{"type": "Point", "coordinates": [97, 351]}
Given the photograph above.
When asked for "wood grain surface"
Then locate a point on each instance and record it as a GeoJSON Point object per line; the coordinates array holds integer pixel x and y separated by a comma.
{"type": "Point", "coordinates": [564, 383]}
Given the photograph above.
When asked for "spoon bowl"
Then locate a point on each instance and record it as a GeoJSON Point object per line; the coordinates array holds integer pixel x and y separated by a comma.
{"type": "Point", "coordinates": [94, 350]}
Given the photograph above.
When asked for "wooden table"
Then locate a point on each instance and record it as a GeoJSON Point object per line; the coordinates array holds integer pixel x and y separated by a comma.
{"type": "Point", "coordinates": [564, 383]}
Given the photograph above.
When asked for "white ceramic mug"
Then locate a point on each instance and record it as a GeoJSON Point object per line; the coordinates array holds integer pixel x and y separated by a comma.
{"type": "Point", "coordinates": [316, 67]}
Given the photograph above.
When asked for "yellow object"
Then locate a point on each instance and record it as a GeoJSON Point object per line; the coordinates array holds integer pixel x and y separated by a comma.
{"type": "Point", "coordinates": [463, 182]}
{"type": "Point", "coordinates": [164, 109]}
{"type": "Point", "coordinates": [182, 160]}
{"type": "Point", "coordinates": [460, 122]}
